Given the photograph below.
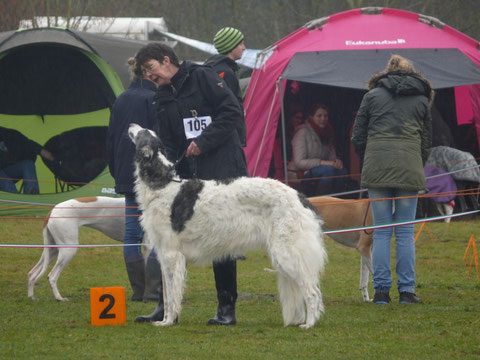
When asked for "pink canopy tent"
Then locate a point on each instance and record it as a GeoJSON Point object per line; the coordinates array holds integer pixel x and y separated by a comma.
{"type": "Point", "coordinates": [344, 50]}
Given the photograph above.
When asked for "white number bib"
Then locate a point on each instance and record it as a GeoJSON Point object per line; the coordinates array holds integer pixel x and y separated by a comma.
{"type": "Point", "coordinates": [195, 125]}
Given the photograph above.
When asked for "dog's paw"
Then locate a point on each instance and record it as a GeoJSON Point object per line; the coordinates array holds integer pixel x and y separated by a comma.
{"type": "Point", "coordinates": [305, 326]}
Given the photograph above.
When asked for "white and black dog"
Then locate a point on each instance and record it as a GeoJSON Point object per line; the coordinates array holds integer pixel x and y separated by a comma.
{"type": "Point", "coordinates": [198, 221]}
{"type": "Point", "coordinates": [61, 227]}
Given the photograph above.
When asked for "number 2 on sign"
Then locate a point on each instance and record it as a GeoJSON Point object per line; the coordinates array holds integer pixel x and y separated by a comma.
{"type": "Point", "coordinates": [107, 306]}
{"type": "Point", "coordinates": [111, 301]}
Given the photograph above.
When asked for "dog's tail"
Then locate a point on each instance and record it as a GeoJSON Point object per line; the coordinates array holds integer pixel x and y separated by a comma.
{"type": "Point", "coordinates": [293, 307]}
{"type": "Point", "coordinates": [299, 265]}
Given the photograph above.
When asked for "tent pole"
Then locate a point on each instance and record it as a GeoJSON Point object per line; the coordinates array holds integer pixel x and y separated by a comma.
{"type": "Point", "coordinates": [284, 137]}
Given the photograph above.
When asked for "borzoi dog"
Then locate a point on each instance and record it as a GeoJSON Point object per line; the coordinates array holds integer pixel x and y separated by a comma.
{"type": "Point", "coordinates": [346, 214]}
{"type": "Point", "coordinates": [198, 221]}
{"type": "Point", "coordinates": [61, 227]}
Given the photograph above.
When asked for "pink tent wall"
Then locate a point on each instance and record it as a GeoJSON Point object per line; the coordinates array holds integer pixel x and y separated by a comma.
{"type": "Point", "coordinates": [349, 30]}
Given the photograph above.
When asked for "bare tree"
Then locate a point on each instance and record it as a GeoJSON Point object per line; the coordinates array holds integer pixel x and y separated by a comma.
{"type": "Point", "coordinates": [262, 22]}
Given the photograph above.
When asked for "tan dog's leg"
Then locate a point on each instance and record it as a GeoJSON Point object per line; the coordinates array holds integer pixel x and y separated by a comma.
{"type": "Point", "coordinates": [343, 214]}
{"type": "Point", "coordinates": [365, 248]}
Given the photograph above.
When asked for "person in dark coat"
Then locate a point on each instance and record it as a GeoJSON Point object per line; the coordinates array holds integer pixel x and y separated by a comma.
{"type": "Point", "coordinates": [230, 45]}
{"type": "Point", "coordinates": [134, 105]}
{"type": "Point", "coordinates": [17, 161]}
{"type": "Point", "coordinates": [198, 117]}
{"type": "Point", "coordinates": [393, 134]}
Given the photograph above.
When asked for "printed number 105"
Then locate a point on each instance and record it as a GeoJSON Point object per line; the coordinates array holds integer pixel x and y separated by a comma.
{"type": "Point", "coordinates": [197, 124]}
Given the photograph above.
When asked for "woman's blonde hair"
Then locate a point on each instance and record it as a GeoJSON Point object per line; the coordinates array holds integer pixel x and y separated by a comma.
{"type": "Point", "coordinates": [398, 63]}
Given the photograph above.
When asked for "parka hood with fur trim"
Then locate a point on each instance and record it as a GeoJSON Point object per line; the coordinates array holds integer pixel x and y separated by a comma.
{"type": "Point", "coordinates": [402, 83]}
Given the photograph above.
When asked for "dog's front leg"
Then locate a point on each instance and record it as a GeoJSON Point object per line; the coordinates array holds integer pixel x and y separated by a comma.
{"type": "Point", "coordinates": [173, 272]}
{"type": "Point", "coordinates": [365, 271]}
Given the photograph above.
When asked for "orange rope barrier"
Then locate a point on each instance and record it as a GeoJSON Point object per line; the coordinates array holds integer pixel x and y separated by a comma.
{"type": "Point", "coordinates": [312, 199]}
{"type": "Point", "coordinates": [53, 182]}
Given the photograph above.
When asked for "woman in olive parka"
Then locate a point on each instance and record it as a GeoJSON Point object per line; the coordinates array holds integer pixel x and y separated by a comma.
{"type": "Point", "coordinates": [392, 136]}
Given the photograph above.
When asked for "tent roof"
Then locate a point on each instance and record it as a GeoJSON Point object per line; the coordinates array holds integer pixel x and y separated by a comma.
{"type": "Point", "coordinates": [354, 31]}
{"type": "Point", "coordinates": [444, 68]}
{"type": "Point", "coordinates": [115, 51]}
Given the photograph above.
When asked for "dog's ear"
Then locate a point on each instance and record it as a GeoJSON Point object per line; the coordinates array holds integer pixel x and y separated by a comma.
{"type": "Point", "coordinates": [146, 152]}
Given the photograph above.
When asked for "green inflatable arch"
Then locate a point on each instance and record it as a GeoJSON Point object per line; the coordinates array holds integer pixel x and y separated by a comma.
{"type": "Point", "coordinates": [58, 87]}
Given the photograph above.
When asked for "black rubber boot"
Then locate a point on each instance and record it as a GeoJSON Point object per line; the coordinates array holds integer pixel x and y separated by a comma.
{"type": "Point", "coordinates": [153, 279]}
{"type": "Point", "coordinates": [226, 284]}
{"type": "Point", "coordinates": [225, 312]}
{"type": "Point", "coordinates": [157, 314]}
{"type": "Point", "coordinates": [136, 275]}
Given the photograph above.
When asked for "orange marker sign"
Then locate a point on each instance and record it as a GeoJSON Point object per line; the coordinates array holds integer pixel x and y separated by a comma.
{"type": "Point", "coordinates": [107, 306]}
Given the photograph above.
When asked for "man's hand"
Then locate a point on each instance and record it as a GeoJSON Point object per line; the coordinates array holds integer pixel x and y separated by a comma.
{"type": "Point", "coordinates": [193, 149]}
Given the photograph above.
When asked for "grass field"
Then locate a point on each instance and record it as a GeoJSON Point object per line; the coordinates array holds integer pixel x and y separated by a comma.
{"type": "Point", "coordinates": [445, 326]}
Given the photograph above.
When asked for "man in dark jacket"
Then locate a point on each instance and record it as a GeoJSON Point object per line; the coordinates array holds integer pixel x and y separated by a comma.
{"type": "Point", "coordinates": [230, 46]}
{"type": "Point", "coordinates": [17, 161]}
{"type": "Point", "coordinates": [198, 116]}
{"type": "Point", "coordinates": [134, 105]}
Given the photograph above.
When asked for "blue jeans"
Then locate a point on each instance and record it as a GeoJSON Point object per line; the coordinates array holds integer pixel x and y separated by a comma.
{"type": "Point", "coordinates": [133, 230]}
{"type": "Point", "coordinates": [405, 210]}
{"type": "Point", "coordinates": [24, 169]}
{"type": "Point", "coordinates": [329, 173]}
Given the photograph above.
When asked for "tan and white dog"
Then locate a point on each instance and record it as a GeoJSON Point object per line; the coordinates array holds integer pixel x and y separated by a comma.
{"type": "Point", "coordinates": [346, 214]}
{"type": "Point", "coordinates": [61, 227]}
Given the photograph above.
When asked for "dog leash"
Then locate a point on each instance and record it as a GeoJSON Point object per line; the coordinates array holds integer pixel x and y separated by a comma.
{"type": "Point", "coordinates": [175, 164]}
{"type": "Point", "coordinates": [192, 164]}
{"type": "Point", "coordinates": [179, 159]}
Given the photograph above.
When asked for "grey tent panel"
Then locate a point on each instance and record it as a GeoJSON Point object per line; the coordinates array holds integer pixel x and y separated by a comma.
{"type": "Point", "coordinates": [115, 51]}
{"type": "Point", "coordinates": [47, 35]}
{"type": "Point", "coordinates": [445, 68]}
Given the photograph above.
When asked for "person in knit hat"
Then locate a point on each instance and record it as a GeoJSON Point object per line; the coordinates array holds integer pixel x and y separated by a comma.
{"type": "Point", "coordinates": [230, 45]}
{"type": "Point", "coordinates": [227, 39]}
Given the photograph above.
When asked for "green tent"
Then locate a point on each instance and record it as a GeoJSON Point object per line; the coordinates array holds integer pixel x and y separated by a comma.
{"type": "Point", "coordinates": [57, 87]}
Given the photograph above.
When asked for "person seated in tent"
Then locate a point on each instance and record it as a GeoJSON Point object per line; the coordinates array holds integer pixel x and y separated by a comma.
{"type": "Point", "coordinates": [464, 169]}
{"type": "Point", "coordinates": [293, 121]}
{"type": "Point", "coordinates": [17, 161]}
{"type": "Point", "coordinates": [295, 118]}
{"type": "Point", "coordinates": [314, 152]}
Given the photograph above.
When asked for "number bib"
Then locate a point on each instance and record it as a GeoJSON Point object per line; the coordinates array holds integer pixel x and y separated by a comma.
{"type": "Point", "coordinates": [195, 125]}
